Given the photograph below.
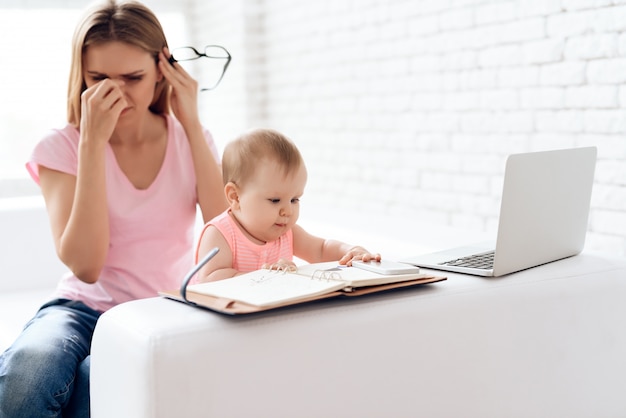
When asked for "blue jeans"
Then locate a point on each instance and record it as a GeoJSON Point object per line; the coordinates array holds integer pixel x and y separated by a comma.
{"type": "Point", "coordinates": [45, 373]}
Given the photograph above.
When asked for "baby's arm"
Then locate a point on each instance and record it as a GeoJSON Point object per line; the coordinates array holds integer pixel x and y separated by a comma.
{"type": "Point", "coordinates": [219, 267]}
{"type": "Point", "coordinates": [355, 253]}
{"type": "Point", "coordinates": [314, 249]}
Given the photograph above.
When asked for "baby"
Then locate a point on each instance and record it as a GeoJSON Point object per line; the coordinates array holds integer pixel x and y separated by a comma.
{"type": "Point", "coordinates": [264, 178]}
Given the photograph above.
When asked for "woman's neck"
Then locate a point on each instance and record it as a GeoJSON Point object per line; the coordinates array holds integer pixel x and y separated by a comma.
{"type": "Point", "coordinates": [138, 131]}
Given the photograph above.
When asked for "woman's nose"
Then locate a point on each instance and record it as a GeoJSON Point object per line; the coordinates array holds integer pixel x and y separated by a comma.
{"type": "Point", "coordinates": [121, 83]}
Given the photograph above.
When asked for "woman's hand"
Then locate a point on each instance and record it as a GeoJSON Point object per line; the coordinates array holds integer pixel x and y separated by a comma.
{"type": "Point", "coordinates": [358, 253]}
{"type": "Point", "coordinates": [184, 97]}
{"type": "Point", "coordinates": [101, 106]}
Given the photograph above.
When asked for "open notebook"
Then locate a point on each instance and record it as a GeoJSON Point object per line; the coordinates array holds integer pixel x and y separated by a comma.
{"type": "Point", "coordinates": [543, 216]}
{"type": "Point", "coordinates": [264, 289]}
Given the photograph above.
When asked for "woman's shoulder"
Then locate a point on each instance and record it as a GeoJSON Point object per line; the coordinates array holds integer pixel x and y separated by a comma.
{"type": "Point", "coordinates": [67, 133]}
{"type": "Point", "coordinates": [58, 139]}
{"type": "Point", "coordinates": [173, 124]}
{"type": "Point", "coordinates": [57, 149]}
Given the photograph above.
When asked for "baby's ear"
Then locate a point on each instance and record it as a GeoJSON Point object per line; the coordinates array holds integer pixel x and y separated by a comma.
{"type": "Point", "coordinates": [232, 194]}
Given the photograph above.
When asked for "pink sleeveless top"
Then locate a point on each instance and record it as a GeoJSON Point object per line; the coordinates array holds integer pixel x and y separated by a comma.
{"type": "Point", "coordinates": [248, 256]}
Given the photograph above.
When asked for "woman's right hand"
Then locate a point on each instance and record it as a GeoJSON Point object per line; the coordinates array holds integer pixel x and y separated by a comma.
{"type": "Point", "coordinates": [101, 106]}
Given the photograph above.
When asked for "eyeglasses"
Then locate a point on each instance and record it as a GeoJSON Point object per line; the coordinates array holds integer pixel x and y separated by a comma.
{"type": "Point", "coordinates": [210, 71]}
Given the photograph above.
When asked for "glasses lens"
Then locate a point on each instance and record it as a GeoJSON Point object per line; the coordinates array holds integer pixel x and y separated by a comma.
{"type": "Point", "coordinates": [184, 54]}
{"type": "Point", "coordinates": [209, 70]}
{"type": "Point", "coordinates": [214, 51]}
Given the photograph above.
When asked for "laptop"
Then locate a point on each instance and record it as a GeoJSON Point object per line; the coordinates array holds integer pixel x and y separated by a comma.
{"type": "Point", "coordinates": [543, 216]}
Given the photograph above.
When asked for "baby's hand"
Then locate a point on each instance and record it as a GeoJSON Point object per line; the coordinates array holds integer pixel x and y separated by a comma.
{"type": "Point", "coordinates": [358, 253]}
{"type": "Point", "coordinates": [281, 265]}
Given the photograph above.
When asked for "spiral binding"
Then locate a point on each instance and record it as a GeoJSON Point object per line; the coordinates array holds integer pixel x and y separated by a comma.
{"type": "Point", "coordinates": [327, 276]}
{"type": "Point", "coordinates": [272, 271]}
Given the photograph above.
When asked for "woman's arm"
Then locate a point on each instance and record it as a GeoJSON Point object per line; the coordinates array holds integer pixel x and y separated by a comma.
{"type": "Point", "coordinates": [210, 188]}
{"type": "Point", "coordinates": [184, 99]}
{"type": "Point", "coordinates": [77, 206]}
{"type": "Point", "coordinates": [77, 209]}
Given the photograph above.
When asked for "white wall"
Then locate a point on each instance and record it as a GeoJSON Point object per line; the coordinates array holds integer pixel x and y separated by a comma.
{"type": "Point", "coordinates": [409, 108]}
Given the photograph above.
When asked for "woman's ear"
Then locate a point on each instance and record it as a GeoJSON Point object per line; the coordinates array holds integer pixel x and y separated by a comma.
{"type": "Point", "coordinates": [232, 194]}
{"type": "Point", "coordinates": [160, 77]}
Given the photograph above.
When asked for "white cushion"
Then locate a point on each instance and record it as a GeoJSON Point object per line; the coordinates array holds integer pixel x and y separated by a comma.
{"type": "Point", "coordinates": [547, 341]}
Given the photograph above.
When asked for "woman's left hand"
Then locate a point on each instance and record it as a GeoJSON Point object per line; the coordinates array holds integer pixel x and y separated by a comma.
{"type": "Point", "coordinates": [184, 97]}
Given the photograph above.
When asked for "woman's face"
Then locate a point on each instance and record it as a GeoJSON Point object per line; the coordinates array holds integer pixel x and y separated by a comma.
{"type": "Point", "coordinates": [131, 67]}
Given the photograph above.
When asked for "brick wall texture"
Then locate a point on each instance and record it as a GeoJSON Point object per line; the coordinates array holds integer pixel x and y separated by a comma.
{"type": "Point", "coordinates": [408, 109]}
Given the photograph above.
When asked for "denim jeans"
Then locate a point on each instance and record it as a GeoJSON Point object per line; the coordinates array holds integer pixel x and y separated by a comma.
{"type": "Point", "coordinates": [45, 373]}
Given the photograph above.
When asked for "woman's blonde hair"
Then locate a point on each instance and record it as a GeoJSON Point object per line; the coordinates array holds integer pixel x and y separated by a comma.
{"type": "Point", "coordinates": [125, 21]}
{"type": "Point", "coordinates": [242, 155]}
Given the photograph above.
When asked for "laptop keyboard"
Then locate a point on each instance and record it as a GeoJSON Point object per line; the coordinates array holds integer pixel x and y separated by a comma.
{"type": "Point", "coordinates": [476, 261]}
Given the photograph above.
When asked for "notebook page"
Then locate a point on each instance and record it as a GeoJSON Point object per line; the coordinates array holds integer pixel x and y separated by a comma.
{"type": "Point", "coordinates": [266, 288]}
{"type": "Point", "coordinates": [352, 276]}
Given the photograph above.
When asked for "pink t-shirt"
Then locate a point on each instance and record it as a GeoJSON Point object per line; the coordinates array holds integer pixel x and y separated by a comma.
{"type": "Point", "coordinates": [248, 256]}
{"type": "Point", "coordinates": [151, 230]}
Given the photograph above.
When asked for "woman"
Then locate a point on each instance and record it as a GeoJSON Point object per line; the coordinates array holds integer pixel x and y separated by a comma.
{"type": "Point", "coordinates": [121, 182]}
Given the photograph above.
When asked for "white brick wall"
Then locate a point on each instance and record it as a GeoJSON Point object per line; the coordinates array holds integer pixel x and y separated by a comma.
{"type": "Point", "coordinates": [408, 108]}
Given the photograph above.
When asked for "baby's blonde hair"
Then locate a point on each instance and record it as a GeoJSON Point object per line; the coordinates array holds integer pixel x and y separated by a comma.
{"type": "Point", "coordinates": [243, 155]}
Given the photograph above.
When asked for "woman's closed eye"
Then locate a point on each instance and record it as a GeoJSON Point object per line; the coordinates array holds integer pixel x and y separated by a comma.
{"type": "Point", "coordinates": [132, 78]}
{"type": "Point", "coordinates": [97, 78]}
{"type": "Point", "coordinates": [127, 78]}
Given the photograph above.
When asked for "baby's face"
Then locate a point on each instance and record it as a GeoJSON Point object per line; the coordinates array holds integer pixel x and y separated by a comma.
{"type": "Point", "coordinates": [269, 203]}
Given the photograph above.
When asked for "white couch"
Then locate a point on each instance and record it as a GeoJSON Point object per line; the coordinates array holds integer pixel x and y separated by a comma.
{"type": "Point", "coordinates": [545, 342]}
{"type": "Point", "coordinates": [30, 267]}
